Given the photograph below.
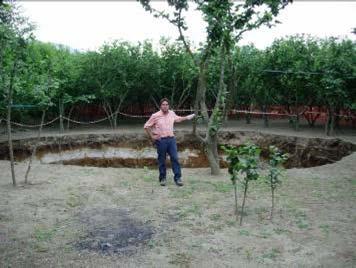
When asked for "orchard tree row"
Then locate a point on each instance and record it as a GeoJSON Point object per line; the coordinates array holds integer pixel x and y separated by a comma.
{"type": "Point", "coordinates": [295, 72]}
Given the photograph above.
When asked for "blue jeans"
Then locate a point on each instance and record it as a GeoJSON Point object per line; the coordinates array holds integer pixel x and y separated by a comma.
{"type": "Point", "coordinates": [164, 146]}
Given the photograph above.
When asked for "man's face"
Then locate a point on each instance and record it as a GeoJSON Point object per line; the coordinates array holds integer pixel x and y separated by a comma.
{"type": "Point", "coordinates": [164, 107]}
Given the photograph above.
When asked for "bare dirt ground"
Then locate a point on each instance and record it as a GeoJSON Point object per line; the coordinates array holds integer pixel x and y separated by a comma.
{"type": "Point", "coordinates": [71, 216]}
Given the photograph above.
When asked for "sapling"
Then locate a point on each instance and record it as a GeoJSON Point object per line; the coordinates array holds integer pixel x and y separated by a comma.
{"type": "Point", "coordinates": [232, 158]}
{"type": "Point", "coordinates": [243, 166]}
{"type": "Point", "coordinates": [276, 159]}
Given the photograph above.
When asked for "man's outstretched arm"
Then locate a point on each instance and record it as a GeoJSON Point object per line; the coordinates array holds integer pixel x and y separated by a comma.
{"type": "Point", "coordinates": [183, 118]}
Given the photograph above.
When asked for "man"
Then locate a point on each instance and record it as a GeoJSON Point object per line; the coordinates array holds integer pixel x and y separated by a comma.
{"type": "Point", "coordinates": [160, 129]}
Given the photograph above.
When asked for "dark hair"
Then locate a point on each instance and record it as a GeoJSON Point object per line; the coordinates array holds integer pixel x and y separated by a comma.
{"type": "Point", "coordinates": [162, 100]}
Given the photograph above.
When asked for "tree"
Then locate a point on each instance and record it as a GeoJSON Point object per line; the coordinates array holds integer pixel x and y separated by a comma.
{"type": "Point", "coordinates": [178, 75]}
{"type": "Point", "coordinates": [243, 167]}
{"type": "Point", "coordinates": [293, 58]}
{"type": "Point", "coordinates": [15, 32]}
{"type": "Point", "coordinates": [113, 73]}
{"type": "Point", "coordinates": [276, 159]}
{"type": "Point", "coordinates": [226, 22]}
{"type": "Point", "coordinates": [336, 61]}
{"type": "Point", "coordinates": [40, 85]}
{"type": "Point", "coordinates": [252, 89]}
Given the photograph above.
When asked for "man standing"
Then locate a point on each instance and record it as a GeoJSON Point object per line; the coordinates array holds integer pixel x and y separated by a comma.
{"type": "Point", "coordinates": [160, 129]}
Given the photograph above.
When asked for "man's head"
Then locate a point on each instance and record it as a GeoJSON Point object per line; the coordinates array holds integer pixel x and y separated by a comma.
{"type": "Point", "coordinates": [164, 105]}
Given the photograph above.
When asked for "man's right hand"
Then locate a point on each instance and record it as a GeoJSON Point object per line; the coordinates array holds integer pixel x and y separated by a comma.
{"type": "Point", "coordinates": [190, 117]}
{"type": "Point", "coordinates": [153, 140]}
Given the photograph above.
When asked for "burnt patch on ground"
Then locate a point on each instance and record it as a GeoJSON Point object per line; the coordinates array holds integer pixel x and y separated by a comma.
{"type": "Point", "coordinates": [113, 231]}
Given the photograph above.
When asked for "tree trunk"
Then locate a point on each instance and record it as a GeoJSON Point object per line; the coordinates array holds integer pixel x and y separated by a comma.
{"type": "Point", "coordinates": [116, 113]}
{"type": "Point", "coordinates": [311, 118]}
{"type": "Point", "coordinates": [61, 113]}
{"type": "Point", "coordinates": [236, 209]}
{"type": "Point", "coordinates": [199, 104]}
{"type": "Point", "coordinates": [35, 147]}
{"type": "Point", "coordinates": [296, 122]}
{"type": "Point", "coordinates": [265, 116]}
{"type": "Point", "coordinates": [9, 103]}
{"type": "Point", "coordinates": [248, 116]}
{"type": "Point", "coordinates": [243, 202]}
{"type": "Point", "coordinates": [107, 110]}
{"type": "Point", "coordinates": [231, 88]}
{"type": "Point", "coordinates": [216, 120]}
{"type": "Point", "coordinates": [11, 152]}
{"type": "Point", "coordinates": [296, 117]}
{"type": "Point", "coordinates": [327, 119]}
{"type": "Point", "coordinates": [329, 125]}
{"type": "Point", "coordinates": [211, 148]}
{"type": "Point", "coordinates": [155, 103]}
{"type": "Point", "coordinates": [69, 115]}
{"type": "Point", "coordinates": [337, 118]}
{"type": "Point", "coordinates": [272, 208]}
{"type": "Point", "coordinates": [290, 116]}
{"type": "Point", "coordinates": [114, 118]}
{"type": "Point", "coordinates": [332, 121]}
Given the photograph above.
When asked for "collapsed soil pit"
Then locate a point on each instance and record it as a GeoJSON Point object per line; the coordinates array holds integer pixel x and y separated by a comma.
{"type": "Point", "coordinates": [108, 156]}
{"type": "Point", "coordinates": [113, 231]}
{"type": "Point", "coordinates": [134, 150]}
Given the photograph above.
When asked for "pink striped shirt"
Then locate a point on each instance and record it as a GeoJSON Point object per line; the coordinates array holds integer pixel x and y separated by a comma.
{"type": "Point", "coordinates": [162, 124]}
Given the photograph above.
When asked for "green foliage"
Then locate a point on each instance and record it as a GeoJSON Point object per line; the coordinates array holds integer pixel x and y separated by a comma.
{"type": "Point", "coordinates": [315, 72]}
{"type": "Point", "coordinates": [15, 33]}
{"type": "Point", "coordinates": [276, 159]}
{"type": "Point", "coordinates": [243, 168]}
{"type": "Point", "coordinates": [243, 160]}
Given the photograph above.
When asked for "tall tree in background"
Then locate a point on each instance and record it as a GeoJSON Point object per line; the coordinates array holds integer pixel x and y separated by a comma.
{"type": "Point", "coordinates": [226, 22]}
{"type": "Point", "coordinates": [336, 61]}
{"type": "Point", "coordinates": [178, 75]}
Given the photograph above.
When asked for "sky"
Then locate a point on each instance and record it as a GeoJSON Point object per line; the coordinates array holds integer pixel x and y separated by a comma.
{"type": "Point", "coordinates": [86, 25]}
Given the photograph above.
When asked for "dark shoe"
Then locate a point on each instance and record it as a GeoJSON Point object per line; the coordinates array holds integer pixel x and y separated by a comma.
{"type": "Point", "coordinates": [179, 182]}
{"type": "Point", "coordinates": [163, 182]}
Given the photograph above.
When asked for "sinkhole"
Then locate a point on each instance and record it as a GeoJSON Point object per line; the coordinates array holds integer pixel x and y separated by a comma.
{"type": "Point", "coordinates": [135, 150]}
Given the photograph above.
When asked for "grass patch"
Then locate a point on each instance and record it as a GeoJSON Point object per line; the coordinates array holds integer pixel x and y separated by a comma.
{"type": "Point", "coordinates": [75, 200]}
{"type": "Point", "coordinates": [41, 247]}
{"type": "Point", "coordinates": [249, 253]}
{"type": "Point", "coordinates": [353, 181]}
{"type": "Point", "coordinates": [244, 232]}
{"type": "Point", "coordinates": [272, 254]}
{"type": "Point", "coordinates": [44, 234]}
{"type": "Point", "coordinates": [230, 222]}
{"type": "Point", "coordinates": [265, 234]}
{"type": "Point", "coordinates": [182, 192]}
{"type": "Point", "coordinates": [181, 259]}
{"type": "Point", "coordinates": [280, 231]}
{"type": "Point", "coordinates": [193, 210]}
{"type": "Point", "coordinates": [148, 175]}
{"type": "Point", "coordinates": [325, 228]}
{"type": "Point", "coordinates": [301, 220]}
{"type": "Point", "coordinates": [222, 187]}
{"type": "Point", "coordinates": [106, 189]}
{"type": "Point", "coordinates": [215, 217]}
{"type": "Point", "coordinates": [302, 224]}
